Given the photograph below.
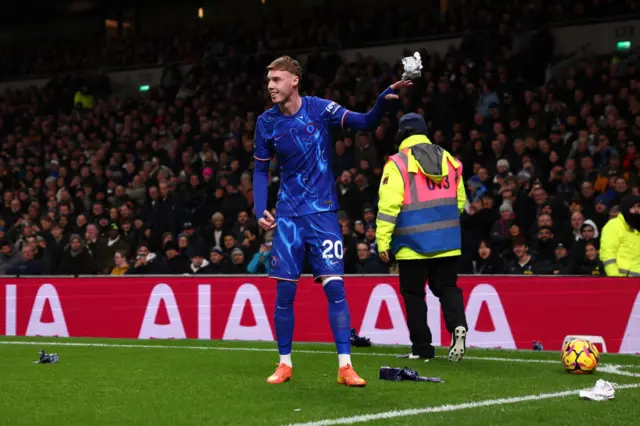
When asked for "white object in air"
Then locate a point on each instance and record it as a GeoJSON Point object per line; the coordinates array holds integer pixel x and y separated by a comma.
{"type": "Point", "coordinates": [412, 66]}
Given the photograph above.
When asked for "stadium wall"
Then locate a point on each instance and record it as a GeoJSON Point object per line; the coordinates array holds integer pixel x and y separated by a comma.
{"type": "Point", "coordinates": [502, 311]}
{"type": "Point", "coordinates": [599, 38]}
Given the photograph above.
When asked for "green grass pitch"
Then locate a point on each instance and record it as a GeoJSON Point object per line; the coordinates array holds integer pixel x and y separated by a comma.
{"type": "Point", "coordinates": [132, 382]}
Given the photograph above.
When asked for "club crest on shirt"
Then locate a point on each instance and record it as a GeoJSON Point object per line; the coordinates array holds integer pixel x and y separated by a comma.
{"type": "Point", "coordinates": [274, 261]}
{"type": "Point", "coordinates": [310, 128]}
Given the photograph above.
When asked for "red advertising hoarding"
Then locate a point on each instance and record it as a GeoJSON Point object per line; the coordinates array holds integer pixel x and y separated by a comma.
{"type": "Point", "coordinates": [502, 312]}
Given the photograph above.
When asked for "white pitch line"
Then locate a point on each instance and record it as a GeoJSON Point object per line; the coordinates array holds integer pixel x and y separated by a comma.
{"type": "Point", "coordinates": [616, 369]}
{"type": "Point", "coordinates": [245, 349]}
{"type": "Point", "coordinates": [448, 407]}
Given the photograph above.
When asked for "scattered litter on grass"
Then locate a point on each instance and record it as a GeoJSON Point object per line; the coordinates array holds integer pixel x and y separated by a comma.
{"type": "Point", "coordinates": [46, 358]}
{"type": "Point", "coordinates": [602, 391]}
{"type": "Point", "coordinates": [408, 374]}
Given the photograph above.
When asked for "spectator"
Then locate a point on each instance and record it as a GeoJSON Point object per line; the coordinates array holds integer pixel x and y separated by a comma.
{"type": "Point", "coordinates": [7, 256]}
{"type": "Point", "coordinates": [115, 243]}
{"type": "Point", "coordinates": [26, 264]}
{"type": "Point", "coordinates": [183, 243]}
{"type": "Point", "coordinates": [193, 236]}
{"type": "Point", "coordinates": [83, 98]}
{"type": "Point", "coordinates": [563, 264]}
{"type": "Point", "coordinates": [368, 214]}
{"type": "Point", "coordinates": [546, 245]}
{"type": "Point", "coordinates": [368, 262]}
{"type": "Point", "coordinates": [43, 255]}
{"type": "Point", "coordinates": [590, 264]}
{"type": "Point", "coordinates": [500, 234]}
{"type": "Point", "coordinates": [92, 240]}
{"type": "Point", "coordinates": [146, 263]}
{"type": "Point", "coordinates": [365, 151]}
{"type": "Point", "coordinates": [242, 224]}
{"type": "Point", "coordinates": [219, 264]}
{"type": "Point", "coordinates": [488, 100]}
{"type": "Point", "coordinates": [577, 219]}
{"type": "Point", "coordinates": [524, 262]}
{"type": "Point", "coordinates": [229, 242]}
{"type": "Point", "coordinates": [238, 261]}
{"type": "Point", "coordinates": [176, 263]}
{"type": "Point", "coordinates": [588, 233]}
{"type": "Point", "coordinates": [349, 196]}
{"type": "Point", "coordinates": [261, 261]}
{"type": "Point", "coordinates": [214, 233]}
{"type": "Point", "coordinates": [370, 238]}
{"type": "Point", "coordinates": [166, 214]}
{"type": "Point", "coordinates": [121, 265]}
{"type": "Point", "coordinates": [77, 260]}
{"type": "Point", "coordinates": [487, 262]}
{"type": "Point", "coordinates": [341, 160]}
{"type": "Point", "coordinates": [199, 265]}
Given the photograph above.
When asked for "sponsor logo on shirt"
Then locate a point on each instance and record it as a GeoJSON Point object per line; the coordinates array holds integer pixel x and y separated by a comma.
{"type": "Point", "coordinates": [332, 108]}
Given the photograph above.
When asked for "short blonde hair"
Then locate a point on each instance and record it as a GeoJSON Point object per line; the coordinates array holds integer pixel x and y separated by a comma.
{"type": "Point", "coordinates": [286, 63]}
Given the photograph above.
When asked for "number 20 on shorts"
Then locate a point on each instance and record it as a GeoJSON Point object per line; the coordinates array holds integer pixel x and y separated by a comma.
{"type": "Point", "coordinates": [332, 249]}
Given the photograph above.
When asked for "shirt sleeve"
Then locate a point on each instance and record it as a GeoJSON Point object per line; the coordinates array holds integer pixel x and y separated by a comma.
{"type": "Point", "coordinates": [261, 147]}
{"type": "Point", "coordinates": [391, 197]}
{"type": "Point", "coordinates": [462, 196]}
{"type": "Point", "coordinates": [609, 244]}
{"type": "Point", "coordinates": [358, 121]}
{"type": "Point", "coordinates": [331, 112]}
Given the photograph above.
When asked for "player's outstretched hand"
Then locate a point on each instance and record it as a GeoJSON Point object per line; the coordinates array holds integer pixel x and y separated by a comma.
{"type": "Point", "coordinates": [267, 222]}
{"type": "Point", "coordinates": [384, 256]}
{"type": "Point", "coordinates": [397, 86]}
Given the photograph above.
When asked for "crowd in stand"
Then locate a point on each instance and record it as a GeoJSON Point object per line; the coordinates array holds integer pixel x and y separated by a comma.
{"type": "Point", "coordinates": [285, 30]}
{"type": "Point", "coordinates": [162, 183]}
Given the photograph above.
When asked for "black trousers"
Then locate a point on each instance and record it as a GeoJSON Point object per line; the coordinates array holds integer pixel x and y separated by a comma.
{"type": "Point", "coordinates": [442, 274]}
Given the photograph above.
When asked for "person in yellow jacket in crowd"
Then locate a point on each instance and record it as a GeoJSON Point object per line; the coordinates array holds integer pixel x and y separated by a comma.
{"type": "Point", "coordinates": [422, 195]}
{"type": "Point", "coordinates": [620, 241]}
{"type": "Point", "coordinates": [83, 98]}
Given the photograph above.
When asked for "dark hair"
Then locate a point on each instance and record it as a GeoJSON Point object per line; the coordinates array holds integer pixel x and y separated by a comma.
{"type": "Point", "coordinates": [519, 241]}
{"type": "Point", "coordinates": [486, 242]}
{"type": "Point", "coordinates": [591, 243]}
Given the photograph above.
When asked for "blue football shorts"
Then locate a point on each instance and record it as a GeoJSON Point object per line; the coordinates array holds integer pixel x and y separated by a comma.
{"type": "Point", "coordinates": [317, 234]}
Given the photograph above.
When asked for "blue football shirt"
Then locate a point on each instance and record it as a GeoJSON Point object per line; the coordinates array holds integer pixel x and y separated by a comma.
{"type": "Point", "coordinates": [304, 149]}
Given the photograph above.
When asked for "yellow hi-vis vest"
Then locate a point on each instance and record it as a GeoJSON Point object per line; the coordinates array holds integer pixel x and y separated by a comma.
{"type": "Point", "coordinates": [620, 248]}
{"type": "Point", "coordinates": [392, 201]}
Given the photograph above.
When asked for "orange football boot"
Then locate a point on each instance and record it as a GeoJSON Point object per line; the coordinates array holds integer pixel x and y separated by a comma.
{"type": "Point", "coordinates": [282, 374]}
{"type": "Point", "coordinates": [348, 376]}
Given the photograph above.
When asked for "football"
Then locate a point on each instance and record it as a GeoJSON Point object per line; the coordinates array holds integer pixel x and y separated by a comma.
{"type": "Point", "coordinates": [580, 356]}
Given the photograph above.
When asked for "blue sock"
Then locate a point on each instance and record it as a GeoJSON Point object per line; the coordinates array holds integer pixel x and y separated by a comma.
{"type": "Point", "coordinates": [339, 315]}
{"type": "Point", "coordinates": [283, 315]}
